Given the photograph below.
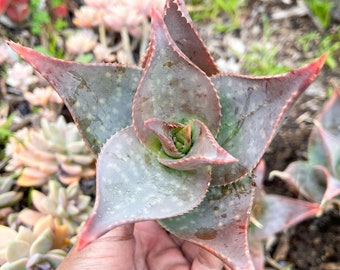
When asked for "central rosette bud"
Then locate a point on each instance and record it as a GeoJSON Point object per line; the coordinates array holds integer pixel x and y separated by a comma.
{"type": "Point", "coordinates": [187, 146]}
{"type": "Point", "coordinates": [176, 139]}
{"type": "Point", "coordinates": [181, 138]}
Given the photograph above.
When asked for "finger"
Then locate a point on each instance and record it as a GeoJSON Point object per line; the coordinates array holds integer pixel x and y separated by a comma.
{"type": "Point", "coordinates": [156, 250]}
{"type": "Point", "coordinates": [206, 261]}
{"type": "Point", "coordinates": [114, 250]}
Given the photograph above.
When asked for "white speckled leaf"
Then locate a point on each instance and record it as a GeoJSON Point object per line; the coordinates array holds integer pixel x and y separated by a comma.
{"type": "Point", "coordinates": [219, 224]}
{"type": "Point", "coordinates": [186, 37]}
{"type": "Point", "coordinates": [134, 186]}
{"type": "Point", "coordinates": [99, 96]}
{"type": "Point", "coordinates": [253, 109]}
{"type": "Point", "coordinates": [172, 88]}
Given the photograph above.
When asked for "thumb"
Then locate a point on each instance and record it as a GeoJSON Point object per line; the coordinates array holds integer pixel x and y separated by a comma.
{"type": "Point", "coordinates": [114, 250]}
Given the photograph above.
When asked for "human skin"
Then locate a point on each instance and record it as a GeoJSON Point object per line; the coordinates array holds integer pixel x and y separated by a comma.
{"type": "Point", "coordinates": [140, 246]}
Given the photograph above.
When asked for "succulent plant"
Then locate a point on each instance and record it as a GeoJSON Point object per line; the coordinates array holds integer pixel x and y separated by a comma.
{"type": "Point", "coordinates": [176, 140]}
{"type": "Point", "coordinates": [56, 148]}
{"type": "Point", "coordinates": [318, 178]}
{"type": "Point", "coordinates": [28, 249]}
{"type": "Point", "coordinates": [116, 14]}
{"type": "Point", "coordinates": [21, 76]}
{"type": "Point", "coordinates": [8, 197]}
{"type": "Point", "coordinates": [67, 207]}
{"type": "Point", "coordinates": [271, 214]}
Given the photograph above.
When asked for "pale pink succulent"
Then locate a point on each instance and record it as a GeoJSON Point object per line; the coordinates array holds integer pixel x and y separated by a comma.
{"type": "Point", "coordinates": [120, 16]}
{"type": "Point", "coordinates": [146, 6]}
{"type": "Point", "coordinates": [100, 4]}
{"type": "Point", "coordinates": [54, 149]}
{"type": "Point", "coordinates": [87, 17]}
{"type": "Point", "coordinates": [116, 14]}
{"type": "Point", "coordinates": [41, 96]}
{"type": "Point", "coordinates": [6, 54]}
{"type": "Point", "coordinates": [82, 41]}
{"type": "Point", "coordinates": [21, 76]}
{"type": "Point", "coordinates": [103, 53]}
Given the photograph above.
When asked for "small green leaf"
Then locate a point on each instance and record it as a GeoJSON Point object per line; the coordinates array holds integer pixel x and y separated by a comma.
{"type": "Point", "coordinates": [43, 243]}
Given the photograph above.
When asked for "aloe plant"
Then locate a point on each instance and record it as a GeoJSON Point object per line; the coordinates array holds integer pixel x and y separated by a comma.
{"type": "Point", "coordinates": [176, 139]}
{"type": "Point", "coordinates": [318, 178]}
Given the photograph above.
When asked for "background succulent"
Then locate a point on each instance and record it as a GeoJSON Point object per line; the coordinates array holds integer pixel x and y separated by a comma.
{"type": "Point", "coordinates": [8, 197]}
{"type": "Point", "coordinates": [315, 183]}
{"type": "Point", "coordinates": [318, 178]}
{"type": "Point", "coordinates": [27, 249]}
{"type": "Point", "coordinates": [54, 149]}
{"type": "Point", "coordinates": [66, 207]}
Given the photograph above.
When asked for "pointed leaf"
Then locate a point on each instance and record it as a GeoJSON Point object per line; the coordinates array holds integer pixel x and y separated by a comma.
{"type": "Point", "coordinates": [253, 109]}
{"type": "Point", "coordinates": [99, 96]}
{"type": "Point", "coordinates": [333, 184]}
{"type": "Point", "coordinates": [278, 213]}
{"type": "Point", "coordinates": [317, 150]}
{"type": "Point", "coordinates": [305, 179]}
{"type": "Point", "coordinates": [314, 182]}
{"type": "Point", "coordinates": [330, 114]}
{"type": "Point", "coordinates": [219, 224]}
{"type": "Point", "coordinates": [186, 37]}
{"type": "Point", "coordinates": [204, 151]}
{"type": "Point", "coordinates": [134, 186]}
{"type": "Point", "coordinates": [324, 149]}
{"type": "Point", "coordinates": [172, 88]}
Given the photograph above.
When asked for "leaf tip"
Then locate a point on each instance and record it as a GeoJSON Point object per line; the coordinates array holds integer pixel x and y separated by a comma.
{"type": "Point", "coordinates": [85, 238]}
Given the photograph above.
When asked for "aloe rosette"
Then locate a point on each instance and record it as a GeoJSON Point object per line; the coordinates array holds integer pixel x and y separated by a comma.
{"type": "Point", "coordinates": [318, 178]}
{"type": "Point", "coordinates": [176, 139]}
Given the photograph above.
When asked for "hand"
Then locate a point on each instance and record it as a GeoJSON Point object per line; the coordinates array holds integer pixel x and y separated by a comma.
{"type": "Point", "coordinates": [142, 246]}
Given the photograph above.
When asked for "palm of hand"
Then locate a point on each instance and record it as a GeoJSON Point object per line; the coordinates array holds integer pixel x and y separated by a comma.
{"type": "Point", "coordinates": [143, 246]}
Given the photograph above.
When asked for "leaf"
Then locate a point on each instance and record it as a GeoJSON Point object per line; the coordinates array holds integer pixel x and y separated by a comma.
{"type": "Point", "coordinates": [99, 96]}
{"type": "Point", "coordinates": [253, 109]}
{"type": "Point", "coordinates": [330, 114]}
{"type": "Point", "coordinates": [324, 149]}
{"type": "Point", "coordinates": [185, 35]}
{"type": "Point", "coordinates": [280, 212]}
{"type": "Point", "coordinates": [42, 243]}
{"type": "Point", "coordinates": [308, 181]}
{"type": "Point", "coordinates": [172, 88]}
{"type": "Point", "coordinates": [17, 250]}
{"type": "Point", "coordinates": [134, 186]}
{"type": "Point", "coordinates": [204, 151]}
{"type": "Point", "coordinates": [256, 248]}
{"type": "Point", "coordinates": [219, 224]}
{"type": "Point", "coordinates": [333, 185]}
{"type": "Point", "coordinates": [7, 235]}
